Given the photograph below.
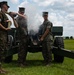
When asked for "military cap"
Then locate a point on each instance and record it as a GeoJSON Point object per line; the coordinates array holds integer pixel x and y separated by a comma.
{"type": "Point", "coordinates": [21, 9]}
{"type": "Point", "coordinates": [2, 3]}
{"type": "Point", "coordinates": [45, 13]}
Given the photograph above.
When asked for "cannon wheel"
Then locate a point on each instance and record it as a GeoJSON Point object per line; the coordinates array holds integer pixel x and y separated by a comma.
{"type": "Point", "coordinates": [8, 59]}
{"type": "Point", "coordinates": [58, 42]}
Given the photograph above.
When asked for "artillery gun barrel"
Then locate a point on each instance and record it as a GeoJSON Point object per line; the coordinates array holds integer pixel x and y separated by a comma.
{"type": "Point", "coordinates": [63, 52]}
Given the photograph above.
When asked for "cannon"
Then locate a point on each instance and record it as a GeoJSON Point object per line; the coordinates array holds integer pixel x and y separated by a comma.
{"type": "Point", "coordinates": [35, 46]}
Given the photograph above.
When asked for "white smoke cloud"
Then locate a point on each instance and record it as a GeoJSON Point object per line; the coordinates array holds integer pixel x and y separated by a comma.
{"type": "Point", "coordinates": [60, 13]}
{"type": "Point", "coordinates": [34, 18]}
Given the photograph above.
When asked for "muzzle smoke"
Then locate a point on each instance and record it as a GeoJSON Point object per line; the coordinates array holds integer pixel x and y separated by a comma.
{"type": "Point", "coordinates": [34, 17]}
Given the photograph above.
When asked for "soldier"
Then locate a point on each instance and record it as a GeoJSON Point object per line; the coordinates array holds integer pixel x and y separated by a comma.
{"type": "Point", "coordinates": [3, 32]}
{"type": "Point", "coordinates": [22, 36]}
{"type": "Point", "coordinates": [47, 39]}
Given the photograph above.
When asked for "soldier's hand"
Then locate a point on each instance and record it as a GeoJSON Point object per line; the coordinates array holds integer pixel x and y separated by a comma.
{"type": "Point", "coordinates": [12, 14]}
{"type": "Point", "coordinates": [8, 29]}
{"type": "Point", "coordinates": [8, 21]}
{"type": "Point", "coordinates": [24, 16]}
{"type": "Point", "coordinates": [41, 39]}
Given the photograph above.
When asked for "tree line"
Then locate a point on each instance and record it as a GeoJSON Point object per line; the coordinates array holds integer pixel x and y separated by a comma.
{"type": "Point", "coordinates": [68, 37]}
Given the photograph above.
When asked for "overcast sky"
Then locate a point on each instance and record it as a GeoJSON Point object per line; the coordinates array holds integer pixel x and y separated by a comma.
{"type": "Point", "coordinates": [61, 12]}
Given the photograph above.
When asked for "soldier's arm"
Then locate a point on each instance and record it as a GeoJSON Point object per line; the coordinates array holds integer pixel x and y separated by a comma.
{"type": "Point", "coordinates": [15, 23]}
{"type": "Point", "coordinates": [24, 16]}
{"type": "Point", "coordinates": [47, 31]}
{"type": "Point", "coordinates": [45, 34]}
{"type": "Point", "coordinates": [13, 14]}
{"type": "Point", "coordinates": [2, 27]}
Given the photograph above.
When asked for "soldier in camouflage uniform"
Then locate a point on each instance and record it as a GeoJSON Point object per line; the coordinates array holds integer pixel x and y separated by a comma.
{"type": "Point", "coordinates": [22, 36]}
{"type": "Point", "coordinates": [47, 39]}
{"type": "Point", "coordinates": [3, 32]}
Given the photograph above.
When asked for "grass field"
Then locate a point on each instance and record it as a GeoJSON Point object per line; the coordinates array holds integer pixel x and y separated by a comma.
{"type": "Point", "coordinates": [36, 66]}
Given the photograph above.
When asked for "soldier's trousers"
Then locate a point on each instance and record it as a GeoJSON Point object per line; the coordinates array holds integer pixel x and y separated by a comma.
{"type": "Point", "coordinates": [22, 52]}
{"type": "Point", "coordinates": [3, 45]}
{"type": "Point", "coordinates": [46, 51]}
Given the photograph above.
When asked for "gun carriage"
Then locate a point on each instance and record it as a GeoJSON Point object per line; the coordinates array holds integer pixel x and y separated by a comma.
{"type": "Point", "coordinates": [35, 46]}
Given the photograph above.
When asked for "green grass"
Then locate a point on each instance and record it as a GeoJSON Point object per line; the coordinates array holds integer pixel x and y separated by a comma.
{"type": "Point", "coordinates": [69, 44]}
{"type": "Point", "coordinates": [36, 67]}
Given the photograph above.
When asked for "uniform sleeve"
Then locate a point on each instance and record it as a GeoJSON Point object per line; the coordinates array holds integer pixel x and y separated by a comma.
{"type": "Point", "coordinates": [49, 25]}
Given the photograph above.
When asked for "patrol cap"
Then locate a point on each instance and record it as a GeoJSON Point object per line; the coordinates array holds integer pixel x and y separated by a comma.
{"type": "Point", "coordinates": [21, 9]}
{"type": "Point", "coordinates": [3, 3]}
{"type": "Point", "coordinates": [45, 13]}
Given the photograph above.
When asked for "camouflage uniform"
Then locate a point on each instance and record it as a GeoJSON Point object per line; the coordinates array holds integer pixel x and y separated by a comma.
{"type": "Point", "coordinates": [47, 42]}
{"type": "Point", "coordinates": [22, 36]}
{"type": "Point", "coordinates": [3, 36]}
